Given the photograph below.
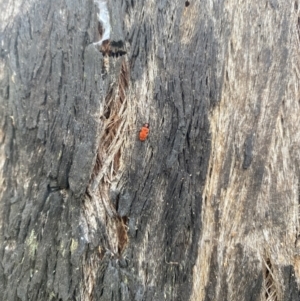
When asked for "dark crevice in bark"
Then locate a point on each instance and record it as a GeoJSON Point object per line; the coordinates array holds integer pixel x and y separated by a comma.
{"type": "Point", "coordinates": [270, 286]}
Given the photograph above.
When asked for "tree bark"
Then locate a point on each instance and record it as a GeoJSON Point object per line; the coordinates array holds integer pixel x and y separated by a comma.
{"type": "Point", "coordinates": [207, 208]}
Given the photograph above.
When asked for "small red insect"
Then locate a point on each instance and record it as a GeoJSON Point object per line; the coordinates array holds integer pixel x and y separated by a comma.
{"type": "Point", "coordinates": [144, 132]}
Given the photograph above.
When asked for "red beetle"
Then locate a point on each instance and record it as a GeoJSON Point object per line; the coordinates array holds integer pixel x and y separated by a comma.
{"type": "Point", "coordinates": [144, 132]}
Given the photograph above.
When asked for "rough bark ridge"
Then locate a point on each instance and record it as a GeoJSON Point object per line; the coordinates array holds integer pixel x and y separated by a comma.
{"type": "Point", "coordinates": [90, 213]}
{"type": "Point", "coordinates": [51, 100]}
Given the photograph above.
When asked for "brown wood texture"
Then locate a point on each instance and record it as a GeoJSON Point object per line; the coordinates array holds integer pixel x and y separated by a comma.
{"type": "Point", "coordinates": [205, 209]}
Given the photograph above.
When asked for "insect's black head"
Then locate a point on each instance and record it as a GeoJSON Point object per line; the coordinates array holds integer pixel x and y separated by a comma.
{"type": "Point", "coordinates": [146, 125]}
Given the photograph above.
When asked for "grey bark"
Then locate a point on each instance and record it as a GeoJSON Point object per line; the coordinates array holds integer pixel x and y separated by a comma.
{"type": "Point", "coordinates": [206, 208]}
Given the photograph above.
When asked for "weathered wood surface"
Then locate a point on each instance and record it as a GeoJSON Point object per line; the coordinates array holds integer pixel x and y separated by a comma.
{"type": "Point", "coordinates": [207, 208]}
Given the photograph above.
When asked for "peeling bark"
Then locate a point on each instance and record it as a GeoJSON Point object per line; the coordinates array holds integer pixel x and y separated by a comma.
{"type": "Point", "coordinates": [207, 208]}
